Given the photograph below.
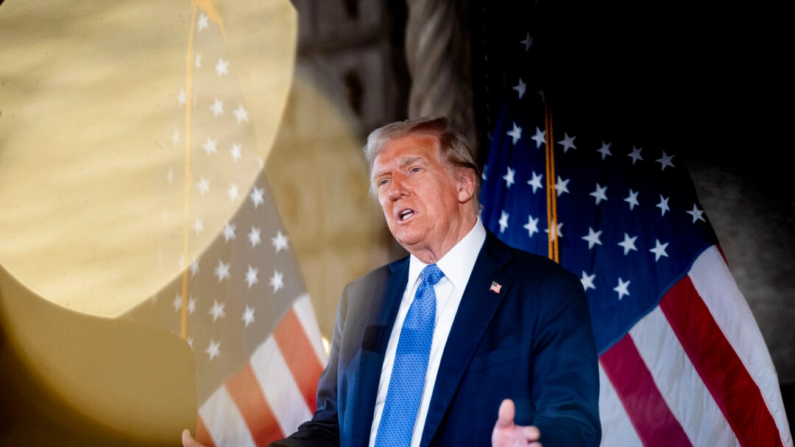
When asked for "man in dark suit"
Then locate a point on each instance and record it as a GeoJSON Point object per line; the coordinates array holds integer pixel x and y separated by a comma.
{"type": "Point", "coordinates": [428, 350]}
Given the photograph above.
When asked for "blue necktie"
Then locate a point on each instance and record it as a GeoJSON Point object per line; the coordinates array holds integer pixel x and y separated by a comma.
{"type": "Point", "coordinates": [411, 364]}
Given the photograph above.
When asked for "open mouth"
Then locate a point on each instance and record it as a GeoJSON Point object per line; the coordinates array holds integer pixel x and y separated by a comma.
{"type": "Point", "coordinates": [405, 215]}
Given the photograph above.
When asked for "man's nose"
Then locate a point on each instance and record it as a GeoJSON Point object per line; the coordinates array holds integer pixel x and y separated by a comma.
{"type": "Point", "coordinates": [397, 188]}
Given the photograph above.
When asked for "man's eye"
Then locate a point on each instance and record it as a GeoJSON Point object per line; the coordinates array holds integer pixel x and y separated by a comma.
{"type": "Point", "coordinates": [382, 182]}
{"type": "Point", "coordinates": [415, 170]}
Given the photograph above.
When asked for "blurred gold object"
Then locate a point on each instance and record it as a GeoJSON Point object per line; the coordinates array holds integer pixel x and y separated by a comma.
{"type": "Point", "coordinates": [95, 203]}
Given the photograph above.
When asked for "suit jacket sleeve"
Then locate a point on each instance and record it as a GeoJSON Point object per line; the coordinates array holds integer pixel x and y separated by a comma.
{"type": "Point", "coordinates": [566, 377]}
{"type": "Point", "coordinates": [323, 429]}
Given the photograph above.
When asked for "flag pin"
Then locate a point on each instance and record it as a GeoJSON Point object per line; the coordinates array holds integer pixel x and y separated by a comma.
{"type": "Point", "coordinates": [495, 287]}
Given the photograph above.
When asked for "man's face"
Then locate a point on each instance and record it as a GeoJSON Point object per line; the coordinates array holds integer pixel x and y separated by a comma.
{"type": "Point", "coordinates": [420, 193]}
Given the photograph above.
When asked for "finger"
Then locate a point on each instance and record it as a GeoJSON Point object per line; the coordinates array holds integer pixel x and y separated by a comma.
{"type": "Point", "coordinates": [188, 441]}
{"type": "Point", "coordinates": [506, 413]}
{"type": "Point", "coordinates": [531, 433]}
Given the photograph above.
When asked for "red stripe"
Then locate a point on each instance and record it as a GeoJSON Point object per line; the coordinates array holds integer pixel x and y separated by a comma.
{"type": "Point", "coordinates": [645, 406]}
{"type": "Point", "coordinates": [250, 401]}
{"type": "Point", "coordinates": [202, 434]}
{"type": "Point", "coordinates": [722, 371]}
{"type": "Point", "coordinates": [300, 356]}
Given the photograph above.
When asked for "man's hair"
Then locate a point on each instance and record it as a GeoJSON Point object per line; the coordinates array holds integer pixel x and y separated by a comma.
{"type": "Point", "coordinates": [453, 145]}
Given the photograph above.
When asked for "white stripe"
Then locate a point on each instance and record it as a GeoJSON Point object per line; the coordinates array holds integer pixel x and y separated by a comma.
{"type": "Point", "coordinates": [679, 383]}
{"type": "Point", "coordinates": [617, 429]}
{"type": "Point", "coordinates": [714, 283]}
{"type": "Point", "coordinates": [224, 422]}
{"type": "Point", "coordinates": [279, 387]}
{"type": "Point", "coordinates": [306, 315]}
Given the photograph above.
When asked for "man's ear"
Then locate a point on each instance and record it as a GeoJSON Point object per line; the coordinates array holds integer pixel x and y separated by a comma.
{"type": "Point", "coordinates": [466, 184]}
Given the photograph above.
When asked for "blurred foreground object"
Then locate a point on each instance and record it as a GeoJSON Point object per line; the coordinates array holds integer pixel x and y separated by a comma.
{"type": "Point", "coordinates": [132, 144]}
{"type": "Point", "coordinates": [681, 358]}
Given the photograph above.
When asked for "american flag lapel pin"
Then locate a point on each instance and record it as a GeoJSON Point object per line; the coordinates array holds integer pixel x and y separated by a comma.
{"type": "Point", "coordinates": [495, 287]}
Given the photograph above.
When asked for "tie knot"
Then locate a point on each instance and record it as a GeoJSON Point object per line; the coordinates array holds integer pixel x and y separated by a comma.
{"type": "Point", "coordinates": [431, 274]}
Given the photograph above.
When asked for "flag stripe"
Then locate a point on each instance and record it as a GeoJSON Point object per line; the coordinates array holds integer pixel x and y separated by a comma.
{"type": "Point", "coordinates": [719, 366]}
{"type": "Point", "coordinates": [713, 282]}
{"type": "Point", "coordinates": [202, 435]}
{"type": "Point", "coordinates": [647, 409]}
{"type": "Point", "coordinates": [245, 391]}
{"type": "Point", "coordinates": [617, 428]}
{"type": "Point", "coordinates": [280, 389]}
{"type": "Point", "coordinates": [306, 315]}
{"type": "Point", "coordinates": [679, 383]}
{"type": "Point", "coordinates": [296, 350]}
{"type": "Point", "coordinates": [224, 423]}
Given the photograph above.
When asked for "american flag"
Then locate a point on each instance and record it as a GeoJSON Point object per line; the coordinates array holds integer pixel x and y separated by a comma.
{"type": "Point", "coordinates": [681, 359]}
{"type": "Point", "coordinates": [240, 302]}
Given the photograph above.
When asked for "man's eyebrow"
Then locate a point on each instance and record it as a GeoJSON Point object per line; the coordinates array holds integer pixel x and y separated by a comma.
{"type": "Point", "coordinates": [409, 160]}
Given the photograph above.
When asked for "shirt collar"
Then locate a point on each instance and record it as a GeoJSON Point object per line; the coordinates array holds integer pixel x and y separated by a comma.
{"type": "Point", "coordinates": [456, 264]}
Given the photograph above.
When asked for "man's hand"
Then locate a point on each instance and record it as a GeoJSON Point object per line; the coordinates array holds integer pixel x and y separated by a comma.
{"type": "Point", "coordinates": [508, 434]}
{"type": "Point", "coordinates": [188, 441]}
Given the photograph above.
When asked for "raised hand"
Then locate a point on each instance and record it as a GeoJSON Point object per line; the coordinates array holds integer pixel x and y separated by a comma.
{"type": "Point", "coordinates": [508, 434]}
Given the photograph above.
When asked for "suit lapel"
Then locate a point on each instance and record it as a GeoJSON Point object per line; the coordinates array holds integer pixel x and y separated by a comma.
{"type": "Point", "coordinates": [378, 327]}
{"type": "Point", "coordinates": [477, 308]}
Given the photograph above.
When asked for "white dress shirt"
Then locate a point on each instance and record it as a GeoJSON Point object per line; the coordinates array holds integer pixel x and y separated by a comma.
{"type": "Point", "coordinates": [457, 266]}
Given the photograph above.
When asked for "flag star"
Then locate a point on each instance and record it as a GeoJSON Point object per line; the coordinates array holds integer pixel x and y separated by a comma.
{"type": "Point", "coordinates": [527, 42]}
{"type": "Point", "coordinates": [663, 205]}
{"type": "Point", "coordinates": [229, 232]}
{"type": "Point", "coordinates": [562, 186]}
{"type": "Point", "coordinates": [222, 67]}
{"type": "Point", "coordinates": [190, 342]}
{"type": "Point", "coordinates": [257, 196]}
{"type": "Point", "coordinates": [587, 281]}
{"type": "Point", "coordinates": [253, 237]}
{"type": "Point", "coordinates": [515, 133]}
{"type": "Point", "coordinates": [170, 176]}
{"type": "Point", "coordinates": [659, 250]}
{"type": "Point", "coordinates": [520, 88]}
{"type": "Point", "coordinates": [540, 137]}
{"type": "Point", "coordinates": [483, 175]}
{"type": "Point", "coordinates": [531, 226]}
{"type": "Point", "coordinates": [194, 267]}
{"type": "Point", "coordinates": [248, 316]}
{"type": "Point", "coordinates": [503, 221]}
{"type": "Point", "coordinates": [235, 151]}
{"type": "Point", "coordinates": [182, 98]}
{"type": "Point", "coordinates": [600, 193]}
{"type": "Point", "coordinates": [198, 60]}
{"type": "Point", "coordinates": [665, 160]}
{"type": "Point", "coordinates": [535, 182]}
{"type": "Point", "coordinates": [241, 114]}
{"type": "Point", "coordinates": [592, 238]}
{"type": "Point", "coordinates": [175, 137]}
{"type": "Point", "coordinates": [635, 155]}
{"type": "Point", "coordinates": [567, 142]}
{"type": "Point", "coordinates": [214, 350]}
{"type": "Point", "coordinates": [203, 21]}
{"type": "Point", "coordinates": [632, 199]}
{"type": "Point", "coordinates": [191, 305]}
{"type": "Point", "coordinates": [621, 288]}
{"type": "Point", "coordinates": [210, 146]}
{"type": "Point", "coordinates": [605, 150]}
{"type": "Point", "coordinates": [198, 225]}
{"type": "Point", "coordinates": [233, 192]}
{"type": "Point", "coordinates": [628, 243]}
{"type": "Point", "coordinates": [280, 242]}
{"type": "Point", "coordinates": [276, 281]}
{"type": "Point", "coordinates": [508, 177]}
{"type": "Point", "coordinates": [696, 213]}
{"type": "Point", "coordinates": [203, 185]}
{"type": "Point", "coordinates": [559, 232]}
{"type": "Point", "coordinates": [217, 311]}
{"type": "Point", "coordinates": [217, 107]}
{"type": "Point", "coordinates": [251, 276]}
{"type": "Point", "coordinates": [222, 271]}
{"type": "Point", "coordinates": [177, 303]}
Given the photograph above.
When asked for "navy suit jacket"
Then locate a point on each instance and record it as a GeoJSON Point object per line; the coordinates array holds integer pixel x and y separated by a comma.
{"type": "Point", "coordinates": [531, 342]}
